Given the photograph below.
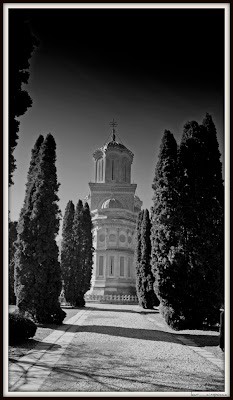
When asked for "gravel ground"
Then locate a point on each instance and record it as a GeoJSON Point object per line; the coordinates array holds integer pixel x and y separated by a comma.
{"type": "Point", "coordinates": [120, 349]}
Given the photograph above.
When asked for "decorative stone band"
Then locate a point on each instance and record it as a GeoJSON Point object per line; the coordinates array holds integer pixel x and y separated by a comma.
{"type": "Point", "coordinates": [128, 299]}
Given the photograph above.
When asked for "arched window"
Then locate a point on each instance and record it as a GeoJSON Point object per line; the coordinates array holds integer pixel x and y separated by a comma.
{"type": "Point", "coordinates": [111, 266]}
{"type": "Point", "coordinates": [122, 267]}
{"type": "Point", "coordinates": [100, 170]}
{"type": "Point", "coordinates": [129, 267]}
{"type": "Point", "coordinates": [125, 170]}
{"type": "Point", "coordinates": [101, 265]}
{"type": "Point", "coordinates": [113, 170]}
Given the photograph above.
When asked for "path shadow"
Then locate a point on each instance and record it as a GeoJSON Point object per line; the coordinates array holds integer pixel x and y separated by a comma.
{"type": "Point", "coordinates": [142, 311]}
{"type": "Point", "coordinates": [103, 372]}
{"type": "Point", "coordinates": [142, 334]}
{"type": "Point", "coordinates": [147, 334]}
{"type": "Point", "coordinates": [30, 344]}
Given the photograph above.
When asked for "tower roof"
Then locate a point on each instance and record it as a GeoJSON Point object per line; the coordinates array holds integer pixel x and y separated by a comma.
{"type": "Point", "coordinates": [112, 144]}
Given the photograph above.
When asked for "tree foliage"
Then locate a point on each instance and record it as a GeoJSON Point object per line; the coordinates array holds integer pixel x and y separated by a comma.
{"type": "Point", "coordinates": [78, 236]}
{"type": "Point", "coordinates": [83, 252]}
{"type": "Point", "coordinates": [77, 253]}
{"type": "Point", "coordinates": [12, 248]}
{"type": "Point", "coordinates": [67, 252]}
{"type": "Point", "coordinates": [88, 247]}
{"type": "Point", "coordinates": [21, 45]}
{"type": "Point", "coordinates": [201, 199]}
{"type": "Point", "coordinates": [144, 276]}
{"type": "Point", "coordinates": [26, 243]}
{"type": "Point", "coordinates": [164, 222]}
{"type": "Point", "coordinates": [187, 227]}
{"type": "Point", "coordinates": [37, 270]}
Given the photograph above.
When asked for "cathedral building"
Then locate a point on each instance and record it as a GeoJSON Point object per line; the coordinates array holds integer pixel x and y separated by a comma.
{"type": "Point", "coordinates": [114, 208]}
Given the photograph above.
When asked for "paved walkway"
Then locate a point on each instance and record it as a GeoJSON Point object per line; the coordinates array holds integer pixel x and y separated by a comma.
{"type": "Point", "coordinates": [110, 348]}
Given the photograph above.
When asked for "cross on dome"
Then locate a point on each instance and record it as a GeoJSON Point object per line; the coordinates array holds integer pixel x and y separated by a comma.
{"type": "Point", "coordinates": [113, 124]}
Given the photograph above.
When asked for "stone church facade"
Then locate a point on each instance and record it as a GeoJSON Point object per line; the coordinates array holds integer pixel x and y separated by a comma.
{"type": "Point", "coordinates": [114, 208]}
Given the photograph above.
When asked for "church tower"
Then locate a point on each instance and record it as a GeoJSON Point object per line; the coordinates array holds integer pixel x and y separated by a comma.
{"type": "Point", "coordinates": [114, 208]}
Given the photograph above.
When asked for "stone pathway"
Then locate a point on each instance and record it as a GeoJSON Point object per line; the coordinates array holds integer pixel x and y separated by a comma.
{"type": "Point", "coordinates": [30, 372]}
{"type": "Point", "coordinates": [109, 348]}
{"type": "Point", "coordinates": [195, 347]}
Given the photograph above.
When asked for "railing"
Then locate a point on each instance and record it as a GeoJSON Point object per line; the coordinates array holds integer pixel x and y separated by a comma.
{"type": "Point", "coordinates": [111, 298]}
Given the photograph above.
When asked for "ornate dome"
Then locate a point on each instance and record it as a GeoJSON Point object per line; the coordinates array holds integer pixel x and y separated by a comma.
{"type": "Point", "coordinates": [112, 203]}
{"type": "Point", "coordinates": [112, 145]}
{"type": "Point", "coordinates": [115, 145]}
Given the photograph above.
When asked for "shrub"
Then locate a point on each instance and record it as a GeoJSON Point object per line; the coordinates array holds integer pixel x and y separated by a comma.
{"type": "Point", "coordinates": [56, 317]}
{"type": "Point", "coordinates": [20, 328]}
{"type": "Point", "coordinates": [172, 318]}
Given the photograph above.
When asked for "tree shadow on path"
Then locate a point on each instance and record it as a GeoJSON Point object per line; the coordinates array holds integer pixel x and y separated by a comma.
{"type": "Point", "coordinates": [142, 311]}
{"type": "Point", "coordinates": [148, 334]}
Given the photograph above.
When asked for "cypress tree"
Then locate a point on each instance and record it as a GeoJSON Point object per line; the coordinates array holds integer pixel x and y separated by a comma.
{"type": "Point", "coordinates": [67, 248]}
{"type": "Point", "coordinates": [88, 247]}
{"type": "Point", "coordinates": [167, 262]}
{"type": "Point", "coordinates": [216, 200]}
{"type": "Point", "coordinates": [25, 245]}
{"type": "Point", "coordinates": [144, 277]}
{"type": "Point", "coordinates": [187, 227]}
{"type": "Point", "coordinates": [201, 203]}
{"type": "Point", "coordinates": [31, 177]}
{"type": "Point", "coordinates": [78, 237]}
{"type": "Point", "coordinates": [192, 191]}
{"type": "Point", "coordinates": [138, 253]}
{"type": "Point", "coordinates": [12, 248]}
{"type": "Point", "coordinates": [37, 272]}
{"type": "Point", "coordinates": [77, 253]}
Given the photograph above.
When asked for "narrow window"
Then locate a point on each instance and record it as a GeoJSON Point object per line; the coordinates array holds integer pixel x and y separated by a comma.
{"type": "Point", "coordinates": [101, 265]}
{"type": "Point", "coordinates": [129, 267]}
{"type": "Point", "coordinates": [111, 271]}
{"type": "Point", "coordinates": [102, 167]}
{"type": "Point", "coordinates": [98, 170]}
{"type": "Point", "coordinates": [113, 172]}
{"type": "Point", "coordinates": [125, 172]}
{"type": "Point", "coordinates": [122, 266]}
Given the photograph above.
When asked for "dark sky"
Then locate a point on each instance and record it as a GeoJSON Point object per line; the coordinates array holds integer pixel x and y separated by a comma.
{"type": "Point", "coordinates": [149, 69]}
{"type": "Point", "coordinates": [180, 46]}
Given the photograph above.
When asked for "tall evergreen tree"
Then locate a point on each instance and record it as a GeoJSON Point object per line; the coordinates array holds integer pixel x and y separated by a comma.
{"type": "Point", "coordinates": [12, 248]}
{"type": "Point", "coordinates": [25, 245]}
{"type": "Point", "coordinates": [144, 276]}
{"type": "Point", "coordinates": [37, 270]}
{"type": "Point", "coordinates": [201, 203]}
{"type": "Point", "coordinates": [31, 177]}
{"type": "Point", "coordinates": [82, 253]}
{"type": "Point", "coordinates": [192, 190]}
{"type": "Point", "coordinates": [67, 253]}
{"type": "Point", "coordinates": [216, 199]}
{"type": "Point", "coordinates": [21, 45]}
{"type": "Point", "coordinates": [88, 247]}
{"type": "Point", "coordinates": [138, 252]}
{"type": "Point", "coordinates": [167, 262]}
{"type": "Point", "coordinates": [78, 237]}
